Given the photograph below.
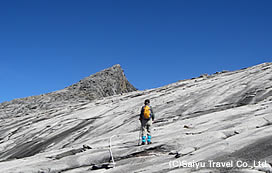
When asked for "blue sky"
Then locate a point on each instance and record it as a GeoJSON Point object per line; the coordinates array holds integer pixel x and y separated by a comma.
{"type": "Point", "coordinates": [49, 45]}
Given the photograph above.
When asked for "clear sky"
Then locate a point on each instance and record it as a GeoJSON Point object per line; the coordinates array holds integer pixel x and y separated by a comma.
{"type": "Point", "coordinates": [47, 45]}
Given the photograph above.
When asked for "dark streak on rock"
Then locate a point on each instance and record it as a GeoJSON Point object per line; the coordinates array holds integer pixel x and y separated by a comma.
{"type": "Point", "coordinates": [147, 152]}
{"type": "Point", "coordinates": [69, 153]}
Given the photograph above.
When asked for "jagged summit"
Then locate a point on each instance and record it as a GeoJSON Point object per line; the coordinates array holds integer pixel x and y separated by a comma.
{"type": "Point", "coordinates": [108, 82]}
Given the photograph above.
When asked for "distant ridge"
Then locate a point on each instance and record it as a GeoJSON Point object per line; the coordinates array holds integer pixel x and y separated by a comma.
{"type": "Point", "coordinates": [108, 82]}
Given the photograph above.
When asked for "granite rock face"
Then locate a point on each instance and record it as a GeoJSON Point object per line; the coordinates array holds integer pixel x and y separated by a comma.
{"type": "Point", "coordinates": [213, 119]}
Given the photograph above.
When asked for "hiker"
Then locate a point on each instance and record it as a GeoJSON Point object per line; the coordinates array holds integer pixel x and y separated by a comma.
{"type": "Point", "coordinates": [146, 118]}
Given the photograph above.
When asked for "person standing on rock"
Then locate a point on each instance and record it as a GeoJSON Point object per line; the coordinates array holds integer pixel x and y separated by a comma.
{"type": "Point", "coordinates": [146, 117]}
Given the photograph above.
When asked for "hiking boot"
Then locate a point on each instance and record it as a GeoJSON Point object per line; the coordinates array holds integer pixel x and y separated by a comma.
{"type": "Point", "coordinates": [149, 139]}
{"type": "Point", "coordinates": [143, 140]}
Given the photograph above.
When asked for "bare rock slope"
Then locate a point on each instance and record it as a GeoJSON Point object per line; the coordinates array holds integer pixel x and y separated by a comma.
{"type": "Point", "coordinates": [224, 117]}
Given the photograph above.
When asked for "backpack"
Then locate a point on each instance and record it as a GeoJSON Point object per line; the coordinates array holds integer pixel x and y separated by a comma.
{"type": "Point", "coordinates": [147, 112]}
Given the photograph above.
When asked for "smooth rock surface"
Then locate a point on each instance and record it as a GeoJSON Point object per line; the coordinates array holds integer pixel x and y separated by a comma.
{"type": "Point", "coordinates": [221, 117]}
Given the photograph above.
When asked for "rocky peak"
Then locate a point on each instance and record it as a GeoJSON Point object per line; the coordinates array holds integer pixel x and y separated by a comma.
{"type": "Point", "coordinates": [105, 83]}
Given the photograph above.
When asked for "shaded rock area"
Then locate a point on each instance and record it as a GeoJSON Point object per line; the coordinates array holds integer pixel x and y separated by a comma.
{"type": "Point", "coordinates": [218, 118]}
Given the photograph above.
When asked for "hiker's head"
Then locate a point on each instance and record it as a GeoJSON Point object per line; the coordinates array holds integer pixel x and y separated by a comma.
{"type": "Point", "coordinates": [147, 101]}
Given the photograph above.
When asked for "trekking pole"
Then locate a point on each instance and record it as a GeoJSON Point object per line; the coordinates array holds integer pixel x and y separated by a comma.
{"type": "Point", "coordinates": [140, 135]}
